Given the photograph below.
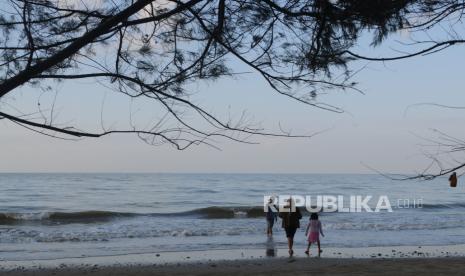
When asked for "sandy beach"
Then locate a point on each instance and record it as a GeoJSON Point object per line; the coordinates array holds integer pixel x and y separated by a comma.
{"type": "Point", "coordinates": [281, 266]}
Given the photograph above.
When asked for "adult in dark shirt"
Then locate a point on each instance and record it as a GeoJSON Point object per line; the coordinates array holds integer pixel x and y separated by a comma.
{"type": "Point", "coordinates": [290, 223]}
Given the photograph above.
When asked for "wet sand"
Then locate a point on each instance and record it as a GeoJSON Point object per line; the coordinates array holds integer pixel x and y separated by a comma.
{"type": "Point", "coordinates": [426, 260]}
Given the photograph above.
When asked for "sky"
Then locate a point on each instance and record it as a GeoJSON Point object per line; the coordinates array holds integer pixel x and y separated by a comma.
{"type": "Point", "coordinates": [382, 128]}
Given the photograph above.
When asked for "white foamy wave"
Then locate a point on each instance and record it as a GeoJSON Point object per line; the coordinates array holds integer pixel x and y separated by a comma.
{"type": "Point", "coordinates": [108, 232]}
{"type": "Point", "coordinates": [392, 226]}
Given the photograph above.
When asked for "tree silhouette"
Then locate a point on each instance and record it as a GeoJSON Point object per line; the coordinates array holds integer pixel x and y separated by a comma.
{"type": "Point", "coordinates": [155, 48]}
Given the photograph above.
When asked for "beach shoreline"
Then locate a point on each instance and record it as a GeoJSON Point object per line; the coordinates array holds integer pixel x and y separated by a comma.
{"type": "Point", "coordinates": [242, 261]}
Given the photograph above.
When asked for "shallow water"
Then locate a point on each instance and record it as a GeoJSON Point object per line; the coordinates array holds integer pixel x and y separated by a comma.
{"type": "Point", "coordinates": [72, 215]}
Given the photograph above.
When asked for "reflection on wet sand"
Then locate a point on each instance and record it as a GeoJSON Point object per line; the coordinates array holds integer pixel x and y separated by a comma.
{"type": "Point", "coordinates": [271, 249]}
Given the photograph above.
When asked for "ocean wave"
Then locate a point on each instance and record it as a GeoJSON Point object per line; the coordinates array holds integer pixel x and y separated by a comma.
{"type": "Point", "coordinates": [214, 212]}
{"type": "Point", "coordinates": [394, 226]}
{"type": "Point", "coordinates": [109, 233]}
{"type": "Point", "coordinates": [144, 229]}
{"type": "Point", "coordinates": [52, 216]}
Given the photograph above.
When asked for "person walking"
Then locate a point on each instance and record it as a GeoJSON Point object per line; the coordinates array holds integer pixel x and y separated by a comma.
{"type": "Point", "coordinates": [313, 232]}
{"type": "Point", "coordinates": [271, 217]}
{"type": "Point", "coordinates": [290, 223]}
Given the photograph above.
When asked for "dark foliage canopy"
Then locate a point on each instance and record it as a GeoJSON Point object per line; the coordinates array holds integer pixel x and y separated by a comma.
{"type": "Point", "coordinates": [155, 48]}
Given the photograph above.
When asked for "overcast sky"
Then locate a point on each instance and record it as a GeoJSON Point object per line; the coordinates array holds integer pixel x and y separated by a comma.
{"type": "Point", "coordinates": [379, 129]}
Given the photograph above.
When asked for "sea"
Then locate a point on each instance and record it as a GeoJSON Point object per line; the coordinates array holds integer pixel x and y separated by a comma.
{"type": "Point", "coordinates": [52, 216]}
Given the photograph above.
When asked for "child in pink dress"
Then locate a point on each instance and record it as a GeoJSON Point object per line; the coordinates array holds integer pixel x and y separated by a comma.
{"type": "Point", "coordinates": [313, 232]}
